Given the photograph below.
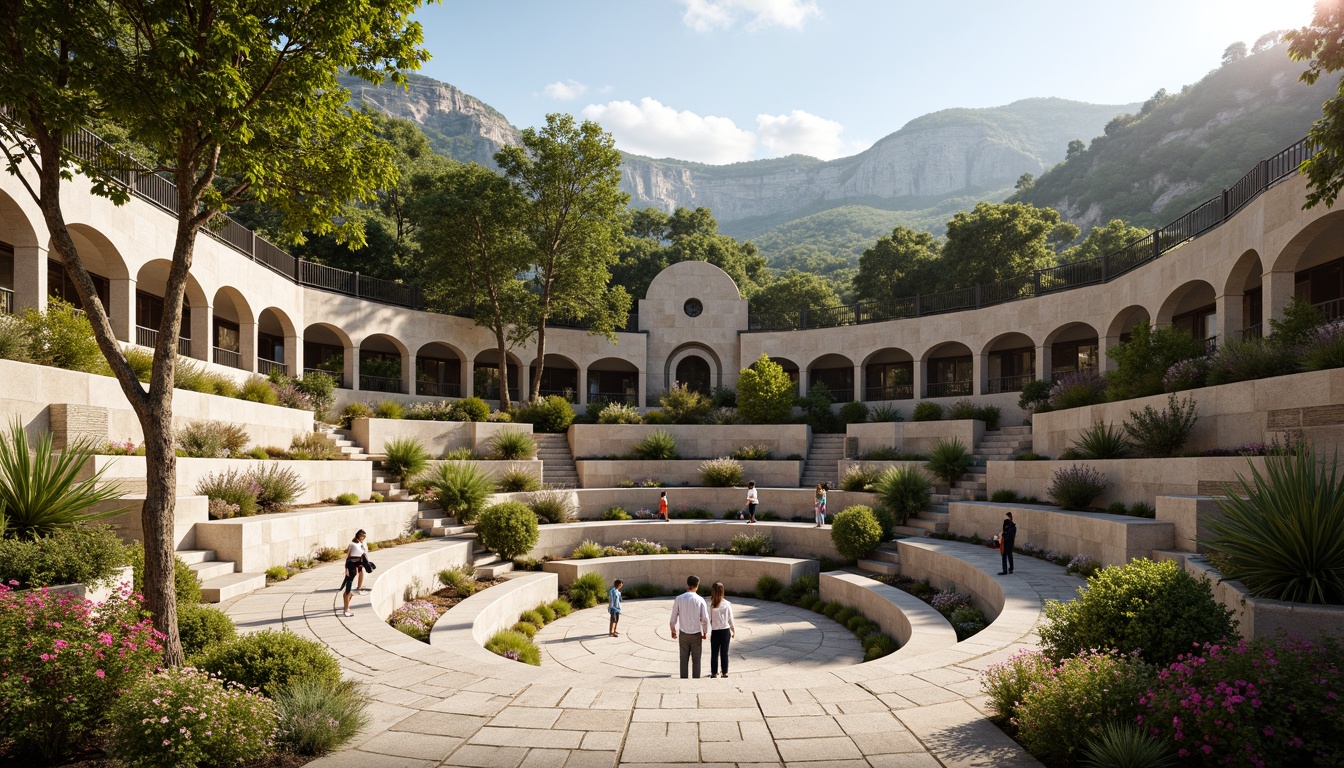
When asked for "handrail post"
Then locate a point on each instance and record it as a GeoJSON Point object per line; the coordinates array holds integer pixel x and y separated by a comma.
{"type": "Point", "coordinates": [297, 270]}
{"type": "Point", "coordinates": [978, 286]}
{"type": "Point", "coordinates": [1157, 243]}
{"type": "Point", "coordinates": [1222, 216]}
{"type": "Point", "coordinates": [1036, 282]}
{"type": "Point", "coordinates": [356, 282]}
{"type": "Point", "coordinates": [917, 308]}
{"type": "Point", "coordinates": [1106, 268]}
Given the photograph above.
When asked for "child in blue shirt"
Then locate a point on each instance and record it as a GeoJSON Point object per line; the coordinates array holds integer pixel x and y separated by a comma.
{"type": "Point", "coordinates": [614, 606]}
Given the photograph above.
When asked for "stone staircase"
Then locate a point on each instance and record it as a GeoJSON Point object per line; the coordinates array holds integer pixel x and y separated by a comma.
{"type": "Point", "coordinates": [822, 457]}
{"type": "Point", "coordinates": [557, 463]}
{"type": "Point", "coordinates": [997, 445]}
{"type": "Point", "coordinates": [345, 442]}
{"type": "Point", "coordinates": [433, 520]}
{"type": "Point", "coordinates": [884, 560]}
{"type": "Point", "coordinates": [390, 488]}
{"type": "Point", "coordinates": [219, 582]}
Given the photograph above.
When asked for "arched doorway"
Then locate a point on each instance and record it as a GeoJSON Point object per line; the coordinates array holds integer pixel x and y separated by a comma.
{"type": "Point", "coordinates": [438, 371]}
{"type": "Point", "coordinates": [694, 373]}
{"type": "Point", "coordinates": [836, 372]}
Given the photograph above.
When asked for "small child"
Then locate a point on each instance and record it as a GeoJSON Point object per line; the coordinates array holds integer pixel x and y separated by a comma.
{"type": "Point", "coordinates": [614, 606]}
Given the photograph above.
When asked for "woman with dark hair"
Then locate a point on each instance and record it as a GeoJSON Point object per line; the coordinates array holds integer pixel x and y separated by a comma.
{"type": "Point", "coordinates": [721, 630]}
{"type": "Point", "coordinates": [355, 556]}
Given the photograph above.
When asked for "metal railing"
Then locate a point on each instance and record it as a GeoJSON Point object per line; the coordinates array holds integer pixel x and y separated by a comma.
{"type": "Point", "coordinates": [1009, 383]}
{"type": "Point", "coordinates": [1254, 332]}
{"type": "Point", "coordinates": [1210, 345]}
{"type": "Point", "coordinates": [890, 392]}
{"type": "Point", "coordinates": [228, 357]}
{"type": "Point", "coordinates": [338, 377]}
{"type": "Point", "coordinates": [1201, 219]}
{"type": "Point", "coordinates": [626, 398]}
{"type": "Point", "coordinates": [267, 367]}
{"type": "Point", "coordinates": [148, 337]}
{"type": "Point", "coordinates": [1333, 309]}
{"type": "Point", "coordinates": [949, 389]}
{"type": "Point", "coordinates": [6, 301]}
{"type": "Point", "coordinates": [380, 384]}
{"type": "Point", "coordinates": [438, 388]}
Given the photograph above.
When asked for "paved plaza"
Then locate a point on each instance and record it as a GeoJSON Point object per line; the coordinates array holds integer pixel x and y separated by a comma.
{"type": "Point", "coordinates": [798, 694]}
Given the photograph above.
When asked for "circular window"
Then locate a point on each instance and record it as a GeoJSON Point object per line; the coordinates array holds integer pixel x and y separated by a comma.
{"type": "Point", "coordinates": [693, 308]}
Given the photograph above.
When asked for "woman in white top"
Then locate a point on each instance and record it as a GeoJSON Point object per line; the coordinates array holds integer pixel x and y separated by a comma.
{"type": "Point", "coordinates": [721, 630]}
{"type": "Point", "coordinates": [355, 554]}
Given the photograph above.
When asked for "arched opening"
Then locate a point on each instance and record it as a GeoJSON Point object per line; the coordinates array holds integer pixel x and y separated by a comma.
{"type": "Point", "coordinates": [1074, 349]}
{"type": "Point", "coordinates": [889, 374]}
{"type": "Point", "coordinates": [16, 232]}
{"type": "Point", "coordinates": [790, 368]}
{"type": "Point", "coordinates": [325, 348]}
{"type": "Point", "coordinates": [837, 373]}
{"type": "Point", "coordinates": [1244, 288]}
{"type": "Point", "coordinates": [106, 268]}
{"type": "Point", "coordinates": [950, 371]}
{"type": "Point", "coordinates": [613, 380]}
{"type": "Point", "coordinates": [1316, 257]}
{"type": "Point", "coordinates": [438, 371]}
{"type": "Point", "coordinates": [560, 376]}
{"type": "Point", "coordinates": [273, 328]}
{"type": "Point", "coordinates": [151, 284]}
{"type": "Point", "coordinates": [485, 379]}
{"type": "Point", "coordinates": [694, 373]}
{"type": "Point", "coordinates": [232, 327]}
{"type": "Point", "coordinates": [1122, 327]}
{"type": "Point", "coordinates": [380, 369]}
{"type": "Point", "coordinates": [1010, 363]}
{"type": "Point", "coordinates": [1192, 308]}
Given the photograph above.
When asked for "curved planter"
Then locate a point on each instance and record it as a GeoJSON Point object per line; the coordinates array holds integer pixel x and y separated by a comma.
{"type": "Point", "coordinates": [464, 629]}
{"type": "Point", "coordinates": [919, 628]}
{"type": "Point", "coordinates": [791, 539]}
{"type": "Point", "coordinates": [738, 573]}
{"type": "Point", "coordinates": [388, 590]}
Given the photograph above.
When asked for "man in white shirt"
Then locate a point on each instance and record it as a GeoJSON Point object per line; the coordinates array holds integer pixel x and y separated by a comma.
{"type": "Point", "coordinates": [753, 498]}
{"type": "Point", "coordinates": [690, 617]}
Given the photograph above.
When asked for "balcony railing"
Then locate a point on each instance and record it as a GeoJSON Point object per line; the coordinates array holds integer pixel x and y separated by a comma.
{"type": "Point", "coordinates": [336, 376]}
{"type": "Point", "coordinates": [567, 393]}
{"type": "Point", "coordinates": [1210, 345]}
{"type": "Point", "coordinates": [1333, 310]}
{"type": "Point", "coordinates": [1256, 331]}
{"type": "Point", "coordinates": [438, 388]}
{"type": "Point", "coordinates": [1009, 383]}
{"type": "Point", "coordinates": [228, 357]}
{"type": "Point", "coordinates": [6, 301]}
{"type": "Point", "coordinates": [626, 398]}
{"type": "Point", "coordinates": [267, 367]}
{"type": "Point", "coordinates": [148, 337]}
{"type": "Point", "coordinates": [379, 384]}
{"type": "Point", "coordinates": [949, 389]}
{"type": "Point", "coordinates": [890, 392]}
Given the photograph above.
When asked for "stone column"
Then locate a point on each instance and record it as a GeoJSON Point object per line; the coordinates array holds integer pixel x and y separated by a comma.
{"type": "Point", "coordinates": [1104, 360]}
{"type": "Point", "coordinates": [524, 381]}
{"type": "Point", "coordinates": [121, 295]}
{"type": "Point", "coordinates": [979, 374]}
{"type": "Point", "coordinates": [202, 325]}
{"type": "Point", "coordinates": [583, 387]}
{"type": "Point", "coordinates": [1230, 317]}
{"type": "Point", "coordinates": [30, 278]}
{"type": "Point", "coordinates": [247, 345]}
{"type": "Point", "coordinates": [293, 355]}
{"type": "Point", "coordinates": [351, 371]}
{"type": "Point", "coordinates": [859, 390]}
{"type": "Point", "coordinates": [408, 373]}
{"type": "Point", "coordinates": [802, 382]}
{"type": "Point", "coordinates": [1043, 362]}
{"type": "Point", "coordinates": [1278, 292]}
{"type": "Point", "coordinates": [468, 378]}
{"type": "Point", "coordinates": [917, 383]}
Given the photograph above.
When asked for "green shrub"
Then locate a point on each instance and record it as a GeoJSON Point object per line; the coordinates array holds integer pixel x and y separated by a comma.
{"type": "Point", "coordinates": [508, 529]}
{"type": "Point", "coordinates": [949, 460]}
{"type": "Point", "coordinates": [461, 488]}
{"type": "Point", "coordinates": [721, 473]}
{"type": "Point", "coordinates": [202, 627]}
{"type": "Point", "coordinates": [259, 390]}
{"type": "Point", "coordinates": [619, 413]}
{"type": "Point", "coordinates": [186, 584]}
{"type": "Point", "coordinates": [858, 477]}
{"type": "Point", "coordinates": [1141, 509]}
{"type": "Point", "coordinates": [533, 617]}
{"type": "Point", "coordinates": [856, 532]}
{"type": "Point", "coordinates": [1162, 434]}
{"type": "Point", "coordinates": [549, 414]}
{"type": "Point", "coordinates": [515, 479]}
{"type": "Point", "coordinates": [1102, 441]}
{"type": "Point", "coordinates": [1077, 390]}
{"type": "Point", "coordinates": [1141, 362]}
{"type": "Point", "coordinates": [318, 387]}
{"type": "Point", "coordinates": [615, 513]}
{"type": "Point", "coordinates": [405, 457]}
{"type": "Point", "coordinates": [84, 554]}
{"type": "Point", "coordinates": [904, 492]}
{"type": "Point", "coordinates": [514, 645]}
{"type": "Point", "coordinates": [1153, 608]}
{"type": "Point", "coordinates": [277, 487]}
{"type": "Point", "coordinates": [752, 453]}
{"type": "Point", "coordinates": [753, 544]}
{"type": "Point", "coordinates": [685, 406]}
{"type": "Point", "coordinates": [526, 628]}
{"type": "Point", "coordinates": [512, 445]}
{"type": "Point", "coordinates": [347, 499]}
{"type": "Point", "coordinates": [1126, 745]}
{"type": "Point", "coordinates": [316, 718]}
{"type": "Point", "coordinates": [546, 611]}
{"type": "Point", "coordinates": [1074, 487]}
{"type": "Point", "coordinates": [656, 417]}
{"type": "Point", "coordinates": [768, 587]}
{"type": "Point", "coordinates": [461, 454]}
{"type": "Point", "coordinates": [14, 346]}
{"type": "Point", "coordinates": [1006, 683]}
{"type": "Point", "coordinates": [1004, 496]}
{"type": "Point", "coordinates": [388, 409]}
{"type": "Point", "coordinates": [212, 440]}
{"type": "Point", "coordinates": [181, 718]}
{"type": "Point", "coordinates": [657, 446]}
{"type": "Point", "coordinates": [561, 607]}
{"type": "Point", "coordinates": [271, 660]}
{"type": "Point", "coordinates": [1282, 533]}
{"type": "Point", "coordinates": [809, 602]}
{"type": "Point", "coordinates": [588, 590]}
{"type": "Point", "coordinates": [1117, 508]}
{"type": "Point", "coordinates": [765, 393]}
{"type": "Point", "coordinates": [1326, 348]}
{"type": "Point", "coordinates": [470, 409]}
{"type": "Point", "coordinates": [885, 413]}
{"type": "Point", "coordinates": [927, 411]}
{"type": "Point", "coordinates": [62, 337]}
{"type": "Point", "coordinates": [231, 487]}
{"type": "Point", "coordinates": [1069, 705]}
{"type": "Point", "coordinates": [314, 446]}
{"type": "Point", "coordinates": [553, 507]}
{"type": "Point", "coordinates": [853, 412]}
{"type": "Point", "coordinates": [1248, 359]}
{"type": "Point", "coordinates": [354, 411]}
{"type": "Point", "coordinates": [462, 579]}
{"type": "Point", "coordinates": [277, 573]}
{"type": "Point", "coordinates": [1035, 396]}
{"type": "Point", "coordinates": [879, 644]}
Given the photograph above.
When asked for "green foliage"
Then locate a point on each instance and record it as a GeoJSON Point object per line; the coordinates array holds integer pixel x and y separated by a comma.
{"type": "Point", "coordinates": [966, 409]}
{"type": "Point", "coordinates": [1035, 396]}
{"type": "Point", "coordinates": [1325, 351]}
{"type": "Point", "coordinates": [879, 644]}
{"type": "Point", "coordinates": [927, 411]}
{"type": "Point", "coordinates": [313, 446]}
{"type": "Point", "coordinates": [615, 513]}
{"type": "Point", "coordinates": [405, 457]}
{"type": "Point", "coordinates": [470, 409]}
{"type": "Point", "coordinates": [817, 409]}
{"type": "Point", "coordinates": [546, 611]}
{"type": "Point", "coordinates": [316, 718]}
{"type": "Point", "coordinates": [550, 414]}
{"type": "Point", "coordinates": [525, 628]}
{"type": "Point", "coordinates": [388, 409]}
{"type": "Point", "coordinates": [509, 529]}
{"type": "Point", "coordinates": [856, 532]}
{"type": "Point", "coordinates": [904, 492]}
{"type": "Point", "coordinates": [512, 444]}
{"type": "Point", "coordinates": [752, 544]}
{"type": "Point", "coordinates": [1140, 509]}
{"type": "Point", "coordinates": [516, 479]}
{"type": "Point", "coordinates": [277, 486]}
{"type": "Point", "coordinates": [1006, 683]}
{"type": "Point", "coordinates": [259, 390]}
{"type": "Point", "coordinates": [1141, 362]}
{"type": "Point", "coordinates": [897, 266]}
{"type": "Point", "coordinates": [39, 490]}
{"type": "Point", "coordinates": [619, 413]}
{"type": "Point", "coordinates": [1126, 745]}
{"type": "Point", "coordinates": [657, 446]}
{"type": "Point", "coordinates": [1004, 496]}
{"type": "Point", "coordinates": [1076, 390]}
{"type": "Point", "coordinates": [1154, 609]}
{"type": "Point", "coordinates": [1075, 487]}
{"type": "Point", "coordinates": [655, 240]}
{"type": "Point", "coordinates": [186, 585]}
{"type": "Point", "coordinates": [533, 617]}
{"type": "Point", "coordinates": [685, 406]}
{"type": "Point", "coordinates": [78, 554]}
{"type": "Point", "coordinates": [949, 460]}
{"type": "Point", "coordinates": [765, 394]}
{"type": "Point", "coordinates": [462, 579]}
{"type": "Point", "coordinates": [14, 344]}
{"type": "Point", "coordinates": [202, 627]}
{"type": "Point", "coordinates": [514, 645]}
{"type": "Point", "coordinates": [885, 413]}
{"type": "Point", "coordinates": [1103, 241]}
{"type": "Point", "coordinates": [996, 241]}
{"type": "Point", "coordinates": [752, 453]}
{"type": "Point", "coordinates": [234, 489]}
{"type": "Point", "coordinates": [1282, 533]}
{"type": "Point", "coordinates": [1102, 441]}
{"type": "Point", "coordinates": [561, 607]}
{"type": "Point", "coordinates": [347, 499]}
{"type": "Point", "coordinates": [354, 411]}
{"type": "Point", "coordinates": [782, 301]}
{"type": "Point", "coordinates": [1067, 706]}
{"type": "Point", "coordinates": [853, 413]}
{"type": "Point", "coordinates": [721, 473]}
{"type": "Point", "coordinates": [1298, 324]}
{"type": "Point", "coordinates": [212, 440]}
{"type": "Point", "coordinates": [768, 587]}
{"type": "Point", "coordinates": [277, 573]}
{"type": "Point", "coordinates": [553, 507]}
{"type": "Point", "coordinates": [1247, 359]}
{"type": "Point", "coordinates": [271, 660]}
{"type": "Point", "coordinates": [61, 337]}
{"type": "Point", "coordinates": [587, 590]}
{"type": "Point", "coordinates": [858, 477]}
{"type": "Point", "coordinates": [1161, 434]}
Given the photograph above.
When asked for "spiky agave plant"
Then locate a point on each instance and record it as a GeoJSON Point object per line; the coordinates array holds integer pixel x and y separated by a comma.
{"type": "Point", "coordinates": [39, 489]}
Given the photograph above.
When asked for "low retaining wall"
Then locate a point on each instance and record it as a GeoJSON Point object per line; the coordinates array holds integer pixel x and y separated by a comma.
{"type": "Point", "coordinates": [1130, 480]}
{"type": "Point", "coordinates": [919, 628]}
{"type": "Point", "coordinates": [259, 542]}
{"type": "Point", "coordinates": [791, 539]}
{"type": "Point", "coordinates": [607, 473]}
{"type": "Point", "coordinates": [322, 479]}
{"type": "Point", "coordinates": [464, 629]}
{"type": "Point", "coordinates": [188, 511]}
{"type": "Point", "coordinates": [436, 436]}
{"type": "Point", "coordinates": [122, 579]}
{"type": "Point", "coordinates": [785, 502]}
{"type": "Point", "coordinates": [388, 590]}
{"type": "Point", "coordinates": [844, 465]}
{"type": "Point", "coordinates": [493, 469]}
{"type": "Point", "coordinates": [1191, 516]}
{"type": "Point", "coordinates": [692, 439]}
{"type": "Point", "coordinates": [911, 436]}
{"type": "Point", "coordinates": [926, 560]}
{"type": "Point", "coordinates": [1108, 539]}
{"type": "Point", "coordinates": [1260, 617]}
{"type": "Point", "coordinates": [738, 573]}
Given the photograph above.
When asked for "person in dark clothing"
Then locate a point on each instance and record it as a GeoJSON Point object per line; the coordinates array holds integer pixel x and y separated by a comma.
{"type": "Point", "coordinates": [1006, 543]}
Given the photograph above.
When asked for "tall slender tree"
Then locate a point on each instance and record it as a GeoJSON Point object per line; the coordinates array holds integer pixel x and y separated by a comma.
{"type": "Point", "coordinates": [236, 101]}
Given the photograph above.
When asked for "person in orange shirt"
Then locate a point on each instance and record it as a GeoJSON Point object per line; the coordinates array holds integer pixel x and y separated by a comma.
{"type": "Point", "coordinates": [662, 506]}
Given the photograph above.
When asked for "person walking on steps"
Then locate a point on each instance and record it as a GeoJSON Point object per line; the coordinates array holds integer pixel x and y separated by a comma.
{"type": "Point", "coordinates": [690, 617]}
{"type": "Point", "coordinates": [721, 630]}
{"type": "Point", "coordinates": [355, 555]}
{"type": "Point", "coordinates": [753, 498]}
{"type": "Point", "coordinates": [1006, 543]}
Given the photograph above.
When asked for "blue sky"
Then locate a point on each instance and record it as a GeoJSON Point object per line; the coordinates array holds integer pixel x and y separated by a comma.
{"type": "Point", "coordinates": [722, 81]}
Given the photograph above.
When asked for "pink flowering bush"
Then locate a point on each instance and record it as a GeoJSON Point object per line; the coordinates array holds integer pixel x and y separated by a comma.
{"type": "Point", "coordinates": [63, 663]}
{"type": "Point", "coordinates": [183, 717]}
{"type": "Point", "coordinates": [415, 618]}
{"type": "Point", "coordinates": [1258, 703]}
{"type": "Point", "coordinates": [1066, 705]}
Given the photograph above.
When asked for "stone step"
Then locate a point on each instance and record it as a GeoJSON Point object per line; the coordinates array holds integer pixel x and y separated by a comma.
{"type": "Point", "coordinates": [885, 555]}
{"type": "Point", "coordinates": [194, 556]}
{"type": "Point", "coordinates": [878, 566]}
{"type": "Point", "coordinates": [212, 568]}
{"type": "Point", "coordinates": [971, 485]}
{"type": "Point", "coordinates": [222, 588]}
{"type": "Point", "coordinates": [386, 488]}
{"type": "Point", "coordinates": [450, 530]}
{"type": "Point", "coordinates": [493, 568]}
{"type": "Point", "coordinates": [930, 526]}
{"type": "Point", "coordinates": [1022, 430]}
{"type": "Point", "coordinates": [910, 530]}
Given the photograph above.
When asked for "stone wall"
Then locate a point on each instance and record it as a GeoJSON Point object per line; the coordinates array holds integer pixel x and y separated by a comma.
{"type": "Point", "coordinates": [791, 539]}
{"type": "Point", "coordinates": [785, 502]}
{"type": "Point", "coordinates": [437, 437]}
{"type": "Point", "coordinates": [608, 473]}
{"type": "Point", "coordinates": [704, 441]}
{"type": "Point", "coordinates": [1130, 480]}
{"type": "Point", "coordinates": [738, 574]}
{"type": "Point", "coordinates": [188, 511]}
{"type": "Point", "coordinates": [911, 436]}
{"type": "Point", "coordinates": [465, 629]}
{"type": "Point", "coordinates": [493, 469]}
{"type": "Point", "coordinates": [1108, 539]}
{"type": "Point", "coordinates": [259, 542]}
{"type": "Point", "coordinates": [419, 574]}
{"type": "Point", "coordinates": [923, 560]}
{"type": "Point", "coordinates": [1190, 516]}
{"type": "Point", "coordinates": [322, 479]}
{"type": "Point", "coordinates": [919, 628]}
{"type": "Point", "coordinates": [1258, 617]}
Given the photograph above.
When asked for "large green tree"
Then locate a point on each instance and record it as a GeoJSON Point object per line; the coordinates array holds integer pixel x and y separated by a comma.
{"type": "Point", "coordinates": [472, 239]}
{"type": "Point", "coordinates": [570, 175]}
{"type": "Point", "coordinates": [1321, 45]}
{"type": "Point", "coordinates": [996, 241]}
{"type": "Point", "coordinates": [655, 240]}
{"type": "Point", "coordinates": [896, 266]}
{"type": "Point", "coordinates": [1103, 240]}
{"type": "Point", "coordinates": [235, 102]}
{"type": "Point", "coordinates": [765, 393]}
{"type": "Point", "coordinates": [783, 301]}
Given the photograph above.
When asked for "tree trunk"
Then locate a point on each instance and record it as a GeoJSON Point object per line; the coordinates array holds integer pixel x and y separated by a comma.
{"type": "Point", "coordinates": [541, 360]}
{"type": "Point", "coordinates": [503, 368]}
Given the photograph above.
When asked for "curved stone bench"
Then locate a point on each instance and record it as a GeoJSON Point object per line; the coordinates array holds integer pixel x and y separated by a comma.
{"type": "Point", "coordinates": [1109, 539]}
{"type": "Point", "coordinates": [466, 627]}
{"type": "Point", "coordinates": [737, 572]}
{"type": "Point", "coordinates": [791, 539]}
{"type": "Point", "coordinates": [919, 628]}
{"type": "Point", "coordinates": [388, 588]}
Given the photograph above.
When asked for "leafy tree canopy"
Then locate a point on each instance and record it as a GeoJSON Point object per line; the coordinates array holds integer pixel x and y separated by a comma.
{"type": "Point", "coordinates": [1103, 240]}
{"type": "Point", "coordinates": [897, 266]}
{"type": "Point", "coordinates": [999, 240]}
{"type": "Point", "coordinates": [783, 299]}
{"type": "Point", "coordinates": [1321, 45]}
{"type": "Point", "coordinates": [655, 240]}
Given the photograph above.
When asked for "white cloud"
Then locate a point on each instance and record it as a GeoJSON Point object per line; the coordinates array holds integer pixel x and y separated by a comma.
{"type": "Point", "coordinates": [656, 130]}
{"type": "Point", "coordinates": [706, 15]}
{"type": "Point", "coordinates": [565, 90]}
{"type": "Point", "coordinates": [802, 133]}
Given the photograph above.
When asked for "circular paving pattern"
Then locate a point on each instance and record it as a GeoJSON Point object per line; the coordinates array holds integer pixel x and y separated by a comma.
{"type": "Point", "coordinates": [772, 638]}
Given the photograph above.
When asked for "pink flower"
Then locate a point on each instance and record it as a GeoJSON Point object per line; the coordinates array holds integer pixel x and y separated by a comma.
{"type": "Point", "coordinates": [100, 673]}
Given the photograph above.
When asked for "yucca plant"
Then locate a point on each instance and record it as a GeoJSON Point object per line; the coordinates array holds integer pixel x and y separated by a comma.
{"type": "Point", "coordinates": [1125, 745]}
{"type": "Point", "coordinates": [949, 460]}
{"type": "Point", "coordinates": [516, 479]}
{"type": "Point", "coordinates": [1103, 441]}
{"type": "Point", "coordinates": [511, 445]}
{"type": "Point", "coordinates": [721, 473]}
{"type": "Point", "coordinates": [39, 492]}
{"type": "Point", "coordinates": [658, 446]}
{"type": "Point", "coordinates": [858, 477]}
{"type": "Point", "coordinates": [1282, 533]}
{"type": "Point", "coordinates": [903, 491]}
{"type": "Point", "coordinates": [460, 487]}
{"type": "Point", "coordinates": [406, 457]}
{"type": "Point", "coordinates": [553, 506]}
